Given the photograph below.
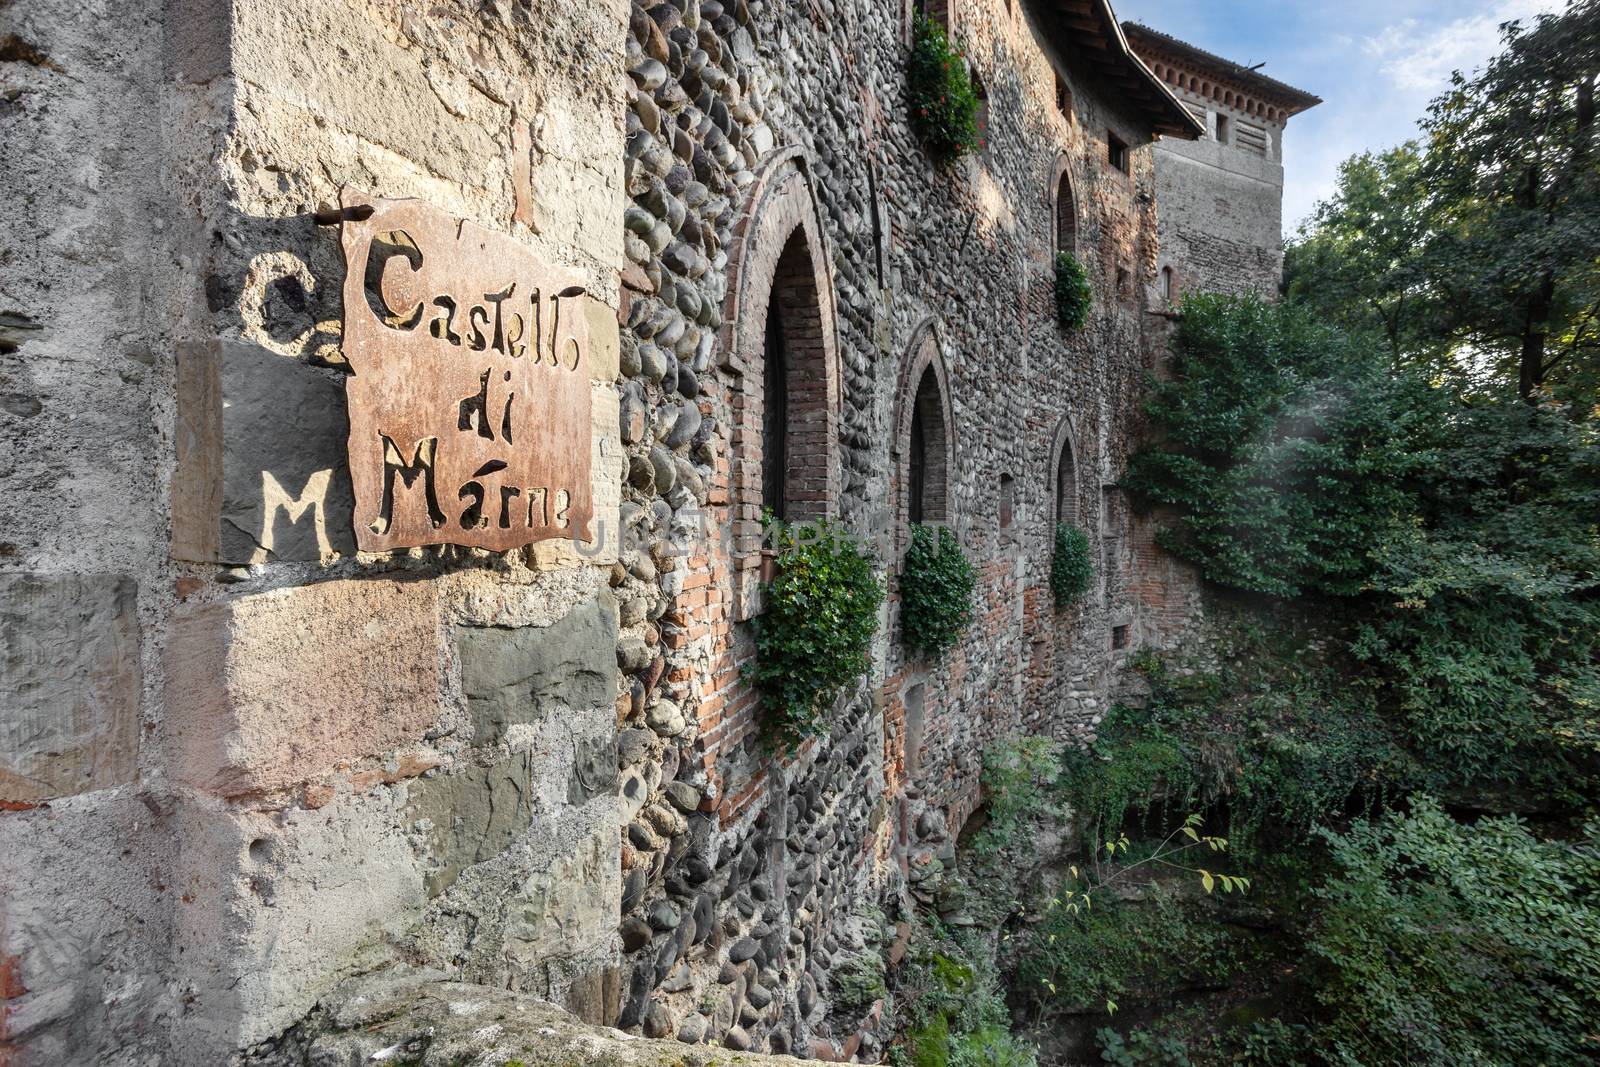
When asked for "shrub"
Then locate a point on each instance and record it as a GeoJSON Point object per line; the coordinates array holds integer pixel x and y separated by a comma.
{"type": "Point", "coordinates": [935, 590]}
{"type": "Point", "coordinates": [822, 610]}
{"type": "Point", "coordinates": [944, 104]}
{"type": "Point", "coordinates": [1440, 942]}
{"type": "Point", "coordinates": [1073, 295]}
{"type": "Point", "coordinates": [1071, 569]}
{"type": "Point", "coordinates": [951, 1003]}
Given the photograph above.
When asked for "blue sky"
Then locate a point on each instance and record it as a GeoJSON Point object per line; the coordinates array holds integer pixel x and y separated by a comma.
{"type": "Point", "coordinates": [1375, 63]}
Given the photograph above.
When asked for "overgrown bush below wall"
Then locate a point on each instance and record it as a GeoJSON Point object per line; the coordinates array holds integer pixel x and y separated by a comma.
{"type": "Point", "coordinates": [822, 609]}
{"type": "Point", "coordinates": [1071, 570]}
{"type": "Point", "coordinates": [944, 104]}
{"type": "Point", "coordinates": [1445, 943]}
{"type": "Point", "coordinates": [1073, 294]}
{"type": "Point", "coordinates": [935, 590]}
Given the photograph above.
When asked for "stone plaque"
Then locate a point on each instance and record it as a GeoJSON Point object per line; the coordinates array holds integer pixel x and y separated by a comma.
{"type": "Point", "coordinates": [469, 398]}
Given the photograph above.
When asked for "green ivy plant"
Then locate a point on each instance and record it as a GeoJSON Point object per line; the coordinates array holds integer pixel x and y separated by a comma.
{"type": "Point", "coordinates": [1073, 295]}
{"type": "Point", "coordinates": [1071, 570]}
{"type": "Point", "coordinates": [944, 103]}
{"type": "Point", "coordinates": [814, 639]}
{"type": "Point", "coordinates": [935, 590]}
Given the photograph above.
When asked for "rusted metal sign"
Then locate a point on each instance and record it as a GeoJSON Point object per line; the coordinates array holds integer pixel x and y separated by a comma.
{"type": "Point", "coordinates": [469, 401]}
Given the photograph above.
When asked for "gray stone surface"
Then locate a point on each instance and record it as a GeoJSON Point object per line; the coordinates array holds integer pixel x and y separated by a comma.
{"type": "Point", "coordinates": [521, 674]}
{"type": "Point", "coordinates": [471, 815]}
{"type": "Point", "coordinates": [69, 669]}
{"type": "Point", "coordinates": [261, 469]}
{"type": "Point", "coordinates": [423, 1018]}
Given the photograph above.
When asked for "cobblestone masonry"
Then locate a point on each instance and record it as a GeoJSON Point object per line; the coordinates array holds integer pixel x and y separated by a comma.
{"type": "Point", "coordinates": [245, 765]}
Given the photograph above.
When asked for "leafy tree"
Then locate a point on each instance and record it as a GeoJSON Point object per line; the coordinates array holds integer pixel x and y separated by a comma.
{"type": "Point", "coordinates": [1284, 446]}
{"type": "Point", "coordinates": [1475, 247]}
{"type": "Point", "coordinates": [1513, 182]}
{"type": "Point", "coordinates": [1357, 262]}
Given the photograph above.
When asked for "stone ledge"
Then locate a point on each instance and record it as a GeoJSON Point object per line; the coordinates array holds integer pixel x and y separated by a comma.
{"type": "Point", "coordinates": [420, 1017]}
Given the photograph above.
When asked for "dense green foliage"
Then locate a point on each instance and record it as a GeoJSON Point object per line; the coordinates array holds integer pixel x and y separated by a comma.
{"type": "Point", "coordinates": [943, 101]}
{"type": "Point", "coordinates": [1455, 531]}
{"type": "Point", "coordinates": [1071, 568]}
{"type": "Point", "coordinates": [1073, 295]}
{"type": "Point", "coordinates": [814, 639]}
{"type": "Point", "coordinates": [951, 1010]}
{"type": "Point", "coordinates": [1278, 739]}
{"type": "Point", "coordinates": [1280, 447]}
{"type": "Point", "coordinates": [1444, 943]}
{"type": "Point", "coordinates": [935, 590]}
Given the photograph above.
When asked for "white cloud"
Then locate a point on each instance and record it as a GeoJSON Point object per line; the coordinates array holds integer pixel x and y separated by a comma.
{"type": "Point", "coordinates": [1419, 56]}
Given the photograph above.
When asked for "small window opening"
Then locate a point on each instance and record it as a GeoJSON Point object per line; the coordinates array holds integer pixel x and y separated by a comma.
{"type": "Point", "coordinates": [1008, 501]}
{"type": "Point", "coordinates": [1117, 152]}
{"type": "Point", "coordinates": [1124, 278]}
{"type": "Point", "coordinates": [1223, 132]}
{"type": "Point", "coordinates": [937, 10]}
{"type": "Point", "coordinates": [926, 461]}
{"type": "Point", "coordinates": [917, 468]}
{"type": "Point", "coordinates": [1119, 637]}
{"type": "Point", "coordinates": [1169, 290]}
{"type": "Point", "coordinates": [1063, 98]}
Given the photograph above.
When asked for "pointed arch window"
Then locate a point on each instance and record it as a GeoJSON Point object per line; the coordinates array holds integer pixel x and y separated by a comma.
{"type": "Point", "coordinates": [1066, 216]}
{"type": "Point", "coordinates": [779, 344]}
{"type": "Point", "coordinates": [1066, 487]}
{"type": "Point", "coordinates": [924, 436]}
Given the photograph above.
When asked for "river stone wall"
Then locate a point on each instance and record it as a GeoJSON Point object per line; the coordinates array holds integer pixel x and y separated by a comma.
{"type": "Point", "coordinates": [751, 879]}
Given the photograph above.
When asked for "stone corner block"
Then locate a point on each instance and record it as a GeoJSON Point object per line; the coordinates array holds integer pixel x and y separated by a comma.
{"type": "Point", "coordinates": [268, 690]}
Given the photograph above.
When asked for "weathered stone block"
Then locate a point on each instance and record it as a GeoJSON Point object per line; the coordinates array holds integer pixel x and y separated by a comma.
{"type": "Point", "coordinates": [69, 666]}
{"type": "Point", "coordinates": [269, 690]}
{"type": "Point", "coordinates": [471, 816]}
{"type": "Point", "coordinates": [277, 908]}
{"type": "Point", "coordinates": [517, 675]}
{"type": "Point", "coordinates": [262, 472]}
{"type": "Point", "coordinates": [569, 905]}
{"type": "Point", "coordinates": [604, 340]}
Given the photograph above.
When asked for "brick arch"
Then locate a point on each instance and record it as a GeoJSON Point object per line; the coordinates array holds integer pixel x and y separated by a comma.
{"type": "Point", "coordinates": [1065, 216]}
{"type": "Point", "coordinates": [778, 261]}
{"type": "Point", "coordinates": [1066, 474]}
{"type": "Point", "coordinates": [925, 385]}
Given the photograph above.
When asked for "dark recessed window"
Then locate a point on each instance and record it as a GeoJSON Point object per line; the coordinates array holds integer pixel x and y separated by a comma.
{"type": "Point", "coordinates": [1223, 132]}
{"type": "Point", "coordinates": [1008, 501]}
{"type": "Point", "coordinates": [1063, 98]}
{"type": "Point", "coordinates": [1124, 281]}
{"type": "Point", "coordinates": [1066, 216]}
{"type": "Point", "coordinates": [1117, 152]}
{"type": "Point", "coordinates": [774, 415]}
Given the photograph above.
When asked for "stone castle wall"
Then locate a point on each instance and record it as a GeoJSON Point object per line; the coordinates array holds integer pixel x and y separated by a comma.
{"type": "Point", "coordinates": [244, 762]}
